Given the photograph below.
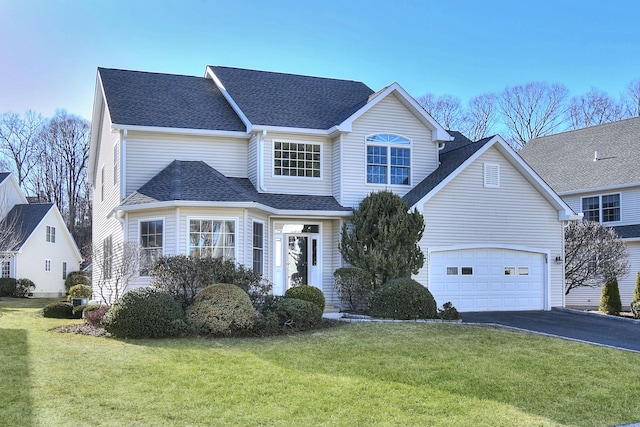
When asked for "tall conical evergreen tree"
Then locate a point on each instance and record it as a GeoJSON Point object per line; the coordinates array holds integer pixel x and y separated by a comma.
{"type": "Point", "coordinates": [383, 237]}
{"type": "Point", "coordinates": [636, 291]}
{"type": "Point", "coordinates": [610, 302]}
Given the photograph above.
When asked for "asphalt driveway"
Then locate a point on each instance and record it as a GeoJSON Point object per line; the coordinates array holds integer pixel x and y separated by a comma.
{"type": "Point", "coordinates": [591, 328]}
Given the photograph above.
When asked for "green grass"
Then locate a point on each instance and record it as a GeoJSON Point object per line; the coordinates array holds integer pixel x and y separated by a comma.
{"type": "Point", "coordinates": [352, 375]}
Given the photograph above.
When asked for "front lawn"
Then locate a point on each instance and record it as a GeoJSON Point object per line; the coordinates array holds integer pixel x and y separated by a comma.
{"type": "Point", "coordinates": [352, 375]}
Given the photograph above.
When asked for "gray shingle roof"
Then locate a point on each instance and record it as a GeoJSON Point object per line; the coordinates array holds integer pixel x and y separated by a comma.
{"type": "Point", "coordinates": [565, 160]}
{"type": "Point", "coordinates": [289, 100]}
{"type": "Point", "coordinates": [23, 219]}
{"type": "Point", "coordinates": [197, 181]}
{"type": "Point", "coordinates": [454, 154]}
{"type": "Point", "coordinates": [628, 231]}
{"type": "Point", "coordinates": [166, 100]}
{"type": "Point", "coordinates": [4, 175]}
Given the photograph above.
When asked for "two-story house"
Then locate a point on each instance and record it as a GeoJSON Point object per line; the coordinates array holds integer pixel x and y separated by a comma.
{"type": "Point", "coordinates": [35, 243]}
{"type": "Point", "coordinates": [264, 168]}
{"type": "Point", "coordinates": [595, 170]}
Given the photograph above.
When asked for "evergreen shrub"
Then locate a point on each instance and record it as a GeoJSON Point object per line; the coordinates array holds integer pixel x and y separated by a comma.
{"type": "Point", "coordinates": [635, 309]}
{"type": "Point", "coordinates": [145, 313]}
{"type": "Point", "coordinates": [636, 290]}
{"type": "Point", "coordinates": [610, 302]}
{"type": "Point", "coordinates": [404, 299]}
{"type": "Point", "coordinates": [307, 293]}
{"type": "Point", "coordinates": [7, 286]}
{"type": "Point", "coordinates": [354, 287]}
{"type": "Point", "coordinates": [296, 314]}
{"type": "Point", "coordinates": [77, 278]}
{"type": "Point", "coordinates": [223, 310]}
{"type": "Point", "coordinates": [24, 287]}
{"type": "Point", "coordinates": [79, 291]}
{"type": "Point", "coordinates": [58, 310]}
{"type": "Point", "coordinates": [448, 312]}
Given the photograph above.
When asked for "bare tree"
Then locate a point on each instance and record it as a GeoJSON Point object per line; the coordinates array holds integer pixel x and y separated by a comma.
{"type": "Point", "coordinates": [446, 109]}
{"type": "Point", "coordinates": [631, 99]}
{"type": "Point", "coordinates": [481, 116]}
{"type": "Point", "coordinates": [593, 254]}
{"type": "Point", "coordinates": [593, 108]}
{"type": "Point", "coordinates": [532, 110]}
{"type": "Point", "coordinates": [116, 265]}
{"type": "Point", "coordinates": [19, 141]}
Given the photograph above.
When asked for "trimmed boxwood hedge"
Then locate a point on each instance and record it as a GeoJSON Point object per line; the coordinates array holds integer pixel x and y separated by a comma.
{"type": "Point", "coordinates": [307, 293]}
{"type": "Point", "coordinates": [404, 299]}
{"type": "Point", "coordinates": [297, 314]}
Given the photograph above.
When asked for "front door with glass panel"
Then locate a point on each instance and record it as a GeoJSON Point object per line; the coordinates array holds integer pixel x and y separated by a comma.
{"type": "Point", "coordinates": [297, 256]}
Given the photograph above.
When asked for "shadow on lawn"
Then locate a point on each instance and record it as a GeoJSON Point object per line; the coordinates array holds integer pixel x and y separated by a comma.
{"type": "Point", "coordinates": [15, 387]}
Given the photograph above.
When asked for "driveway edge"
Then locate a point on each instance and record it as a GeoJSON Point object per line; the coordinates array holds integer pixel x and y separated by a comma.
{"type": "Point", "coordinates": [590, 313]}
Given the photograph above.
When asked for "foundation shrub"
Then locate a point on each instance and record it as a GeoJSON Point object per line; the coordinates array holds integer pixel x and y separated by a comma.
{"type": "Point", "coordinates": [354, 287]}
{"type": "Point", "coordinates": [77, 278]}
{"type": "Point", "coordinates": [448, 312]}
{"type": "Point", "coordinates": [58, 310]}
{"type": "Point", "coordinates": [93, 314]}
{"type": "Point", "coordinates": [404, 299]}
{"type": "Point", "coordinates": [145, 313]}
{"type": "Point", "coordinates": [7, 286]}
{"type": "Point", "coordinates": [307, 293]}
{"type": "Point", "coordinates": [24, 287]}
{"type": "Point", "coordinates": [223, 310]}
{"type": "Point", "coordinates": [296, 314]}
{"type": "Point", "coordinates": [79, 291]}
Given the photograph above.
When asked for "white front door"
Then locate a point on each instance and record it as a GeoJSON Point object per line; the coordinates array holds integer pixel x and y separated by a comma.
{"type": "Point", "coordinates": [297, 260]}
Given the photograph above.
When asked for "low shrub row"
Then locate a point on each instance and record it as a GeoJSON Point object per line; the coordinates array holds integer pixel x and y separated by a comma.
{"type": "Point", "coordinates": [20, 288]}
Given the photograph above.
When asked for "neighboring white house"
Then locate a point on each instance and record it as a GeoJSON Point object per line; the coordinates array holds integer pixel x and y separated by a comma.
{"type": "Point", "coordinates": [36, 242]}
{"type": "Point", "coordinates": [264, 168]}
{"type": "Point", "coordinates": [596, 170]}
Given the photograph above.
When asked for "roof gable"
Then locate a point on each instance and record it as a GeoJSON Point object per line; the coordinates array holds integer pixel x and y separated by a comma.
{"type": "Point", "coordinates": [290, 100]}
{"type": "Point", "coordinates": [566, 160]}
{"type": "Point", "coordinates": [23, 220]}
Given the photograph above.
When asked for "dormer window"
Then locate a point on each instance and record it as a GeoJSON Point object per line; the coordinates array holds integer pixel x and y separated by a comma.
{"type": "Point", "coordinates": [388, 159]}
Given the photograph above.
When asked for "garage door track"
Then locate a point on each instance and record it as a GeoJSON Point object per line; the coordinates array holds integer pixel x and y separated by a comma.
{"type": "Point", "coordinates": [592, 328]}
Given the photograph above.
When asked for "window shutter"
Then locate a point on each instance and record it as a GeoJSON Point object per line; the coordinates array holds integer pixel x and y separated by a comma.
{"type": "Point", "coordinates": [491, 175]}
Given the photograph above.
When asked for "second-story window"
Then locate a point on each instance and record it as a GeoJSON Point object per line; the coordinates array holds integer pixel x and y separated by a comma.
{"type": "Point", "coordinates": [605, 208]}
{"type": "Point", "coordinates": [388, 160]}
{"type": "Point", "coordinates": [296, 159]}
{"type": "Point", "coordinates": [51, 234]}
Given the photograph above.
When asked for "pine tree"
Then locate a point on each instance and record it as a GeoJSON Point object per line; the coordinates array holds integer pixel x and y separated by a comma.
{"type": "Point", "coordinates": [383, 237]}
{"type": "Point", "coordinates": [610, 302]}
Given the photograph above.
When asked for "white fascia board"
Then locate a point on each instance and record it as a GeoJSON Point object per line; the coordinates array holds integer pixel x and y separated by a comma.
{"type": "Point", "coordinates": [209, 73]}
{"type": "Point", "coordinates": [599, 189]}
{"type": "Point", "coordinates": [61, 226]}
{"type": "Point", "coordinates": [297, 131]}
{"type": "Point", "coordinates": [565, 213]}
{"type": "Point", "coordinates": [120, 210]}
{"type": "Point", "coordinates": [179, 131]}
{"type": "Point", "coordinates": [11, 179]}
{"type": "Point", "coordinates": [439, 134]}
{"type": "Point", "coordinates": [99, 100]}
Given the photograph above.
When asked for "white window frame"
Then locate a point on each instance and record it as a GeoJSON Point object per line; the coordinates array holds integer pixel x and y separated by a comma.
{"type": "Point", "coordinates": [6, 267]}
{"type": "Point", "coordinates": [491, 174]}
{"type": "Point", "coordinates": [388, 146]}
{"type": "Point", "coordinates": [142, 248]}
{"type": "Point", "coordinates": [213, 218]}
{"type": "Point", "coordinates": [47, 266]}
{"type": "Point", "coordinates": [293, 141]}
{"type": "Point", "coordinates": [253, 247]}
{"type": "Point", "coordinates": [64, 270]}
{"type": "Point", "coordinates": [600, 208]}
{"type": "Point", "coordinates": [51, 234]}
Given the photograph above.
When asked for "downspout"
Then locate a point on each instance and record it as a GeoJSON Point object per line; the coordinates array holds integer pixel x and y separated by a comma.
{"type": "Point", "coordinates": [261, 187]}
{"type": "Point", "coordinates": [565, 224]}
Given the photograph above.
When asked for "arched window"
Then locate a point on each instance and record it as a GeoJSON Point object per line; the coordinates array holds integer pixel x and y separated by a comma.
{"type": "Point", "coordinates": [388, 159]}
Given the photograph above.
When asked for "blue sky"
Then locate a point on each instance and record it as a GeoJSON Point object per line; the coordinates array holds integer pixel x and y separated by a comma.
{"type": "Point", "coordinates": [51, 48]}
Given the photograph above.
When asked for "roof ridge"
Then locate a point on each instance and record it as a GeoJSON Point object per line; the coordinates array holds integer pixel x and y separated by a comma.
{"type": "Point", "coordinates": [283, 73]}
{"type": "Point", "coordinates": [586, 128]}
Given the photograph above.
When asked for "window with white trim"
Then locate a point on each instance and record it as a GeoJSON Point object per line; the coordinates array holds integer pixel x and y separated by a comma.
{"type": "Point", "coordinates": [492, 175]}
{"type": "Point", "coordinates": [6, 268]}
{"type": "Point", "coordinates": [602, 208]}
{"type": "Point", "coordinates": [47, 265]}
{"type": "Point", "coordinates": [296, 159]}
{"type": "Point", "coordinates": [213, 238]}
{"type": "Point", "coordinates": [258, 247]}
{"type": "Point", "coordinates": [64, 270]}
{"type": "Point", "coordinates": [51, 234]}
{"type": "Point", "coordinates": [388, 159]}
{"type": "Point", "coordinates": [107, 257]}
{"type": "Point", "coordinates": [151, 238]}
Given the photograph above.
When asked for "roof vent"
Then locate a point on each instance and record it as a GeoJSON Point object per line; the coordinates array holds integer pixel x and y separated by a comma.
{"type": "Point", "coordinates": [595, 156]}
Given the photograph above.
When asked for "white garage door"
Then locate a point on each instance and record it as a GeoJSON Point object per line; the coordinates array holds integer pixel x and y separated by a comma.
{"type": "Point", "coordinates": [488, 279]}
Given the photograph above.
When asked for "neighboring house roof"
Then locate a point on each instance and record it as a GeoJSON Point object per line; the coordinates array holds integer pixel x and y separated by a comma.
{"type": "Point", "coordinates": [566, 160]}
{"type": "Point", "coordinates": [452, 156]}
{"type": "Point", "coordinates": [628, 231]}
{"type": "Point", "coordinates": [290, 100]}
{"type": "Point", "coordinates": [195, 181]}
{"type": "Point", "coordinates": [137, 98]}
{"type": "Point", "coordinates": [23, 219]}
{"type": "Point", "coordinates": [4, 175]}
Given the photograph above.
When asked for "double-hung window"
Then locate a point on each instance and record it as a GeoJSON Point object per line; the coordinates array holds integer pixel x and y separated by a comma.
{"type": "Point", "coordinates": [388, 160]}
{"type": "Point", "coordinates": [605, 208]}
{"type": "Point", "coordinates": [51, 234]}
{"type": "Point", "coordinates": [258, 247]}
{"type": "Point", "coordinates": [151, 233]}
{"type": "Point", "coordinates": [213, 238]}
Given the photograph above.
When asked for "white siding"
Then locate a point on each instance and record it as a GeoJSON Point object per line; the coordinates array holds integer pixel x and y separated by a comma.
{"type": "Point", "coordinates": [388, 116]}
{"type": "Point", "coordinates": [629, 204]}
{"type": "Point", "coordinates": [299, 185]}
{"type": "Point", "coordinates": [464, 212]}
{"type": "Point", "coordinates": [146, 155]}
{"type": "Point", "coordinates": [30, 262]}
{"type": "Point", "coordinates": [252, 160]}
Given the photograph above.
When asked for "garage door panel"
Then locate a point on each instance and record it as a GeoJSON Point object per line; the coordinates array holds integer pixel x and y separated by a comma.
{"type": "Point", "coordinates": [488, 287]}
